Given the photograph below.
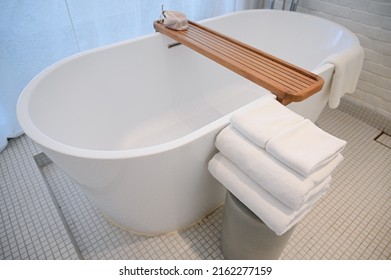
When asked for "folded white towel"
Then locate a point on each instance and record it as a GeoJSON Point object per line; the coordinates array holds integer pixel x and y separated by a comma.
{"type": "Point", "coordinates": [305, 147]}
{"type": "Point", "coordinates": [277, 216]}
{"type": "Point", "coordinates": [263, 119]}
{"type": "Point", "coordinates": [348, 66]}
{"type": "Point", "coordinates": [282, 182]}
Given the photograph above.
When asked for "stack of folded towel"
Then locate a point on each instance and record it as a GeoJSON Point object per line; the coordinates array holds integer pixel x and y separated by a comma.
{"type": "Point", "coordinates": [275, 161]}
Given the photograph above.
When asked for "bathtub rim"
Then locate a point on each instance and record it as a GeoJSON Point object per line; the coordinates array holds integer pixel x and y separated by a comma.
{"type": "Point", "coordinates": [42, 139]}
{"type": "Point", "coordinates": [286, 12]}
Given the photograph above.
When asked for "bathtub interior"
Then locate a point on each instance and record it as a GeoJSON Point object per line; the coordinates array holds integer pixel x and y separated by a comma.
{"type": "Point", "coordinates": [140, 93]}
{"type": "Point", "coordinates": [134, 95]}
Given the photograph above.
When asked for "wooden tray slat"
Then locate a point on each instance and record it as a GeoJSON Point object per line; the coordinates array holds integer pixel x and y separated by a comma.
{"type": "Point", "coordinates": [287, 81]}
{"type": "Point", "coordinates": [259, 64]}
{"type": "Point", "coordinates": [246, 53]}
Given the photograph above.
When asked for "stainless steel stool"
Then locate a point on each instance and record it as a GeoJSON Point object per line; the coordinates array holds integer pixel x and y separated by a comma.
{"type": "Point", "coordinates": [246, 237]}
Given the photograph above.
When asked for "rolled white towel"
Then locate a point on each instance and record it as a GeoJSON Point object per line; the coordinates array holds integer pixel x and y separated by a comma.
{"type": "Point", "coordinates": [263, 119]}
{"type": "Point", "coordinates": [282, 182]}
{"type": "Point", "coordinates": [305, 147]}
{"type": "Point", "coordinates": [277, 216]}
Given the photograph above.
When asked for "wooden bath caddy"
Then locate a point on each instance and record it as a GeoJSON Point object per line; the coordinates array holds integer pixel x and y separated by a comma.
{"type": "Point", "coordinates": [287, 81]}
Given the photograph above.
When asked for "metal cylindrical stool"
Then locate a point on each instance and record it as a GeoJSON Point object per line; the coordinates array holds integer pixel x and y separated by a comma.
{"type": "Point", "coordinates": [246, 237]}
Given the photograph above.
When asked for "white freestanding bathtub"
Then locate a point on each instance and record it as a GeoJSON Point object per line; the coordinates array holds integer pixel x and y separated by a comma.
{"type": "Point", "coordinates": [134, 124]}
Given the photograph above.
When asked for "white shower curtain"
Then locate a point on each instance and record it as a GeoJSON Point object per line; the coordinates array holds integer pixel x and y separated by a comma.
{"type": "Point", "coordinates": [35, 34]}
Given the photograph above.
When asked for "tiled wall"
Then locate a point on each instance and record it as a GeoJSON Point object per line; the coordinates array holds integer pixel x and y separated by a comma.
{"type": "Point", "coordinates": [370, 20]}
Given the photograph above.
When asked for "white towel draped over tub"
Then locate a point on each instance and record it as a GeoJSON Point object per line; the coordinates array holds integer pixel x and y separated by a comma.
{"type": "Point", "coordinates": [348, 66]}
{"type": "Point", "coordinates": [278, 167]}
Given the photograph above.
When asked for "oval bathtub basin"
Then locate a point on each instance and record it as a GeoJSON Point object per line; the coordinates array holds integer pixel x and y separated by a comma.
{"type": "Point", "coordinates": [134, 123]}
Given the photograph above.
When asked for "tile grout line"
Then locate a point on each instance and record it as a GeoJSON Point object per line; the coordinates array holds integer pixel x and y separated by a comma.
{"type": "Point", "coordinates": [58, 208]}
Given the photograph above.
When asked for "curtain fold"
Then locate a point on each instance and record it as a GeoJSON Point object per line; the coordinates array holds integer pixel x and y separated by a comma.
{"type": "Point", "coordinates": [35, 34]}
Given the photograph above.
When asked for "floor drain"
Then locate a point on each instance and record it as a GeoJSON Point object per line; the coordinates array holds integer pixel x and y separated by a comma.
{"type": "Point", "coordinates": [384, 139]}
{"type": "Point", "coordinates": [42, 160]}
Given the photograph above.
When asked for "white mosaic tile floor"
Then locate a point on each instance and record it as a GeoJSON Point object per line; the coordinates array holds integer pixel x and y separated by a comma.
{"type": "Point", "coordinates": [352, 222]}
{"type": "Point", "coordinates": [30, 227]}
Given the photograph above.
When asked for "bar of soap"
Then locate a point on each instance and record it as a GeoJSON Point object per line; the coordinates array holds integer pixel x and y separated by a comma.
{"type": "Point", "coordinates": [175, 20]}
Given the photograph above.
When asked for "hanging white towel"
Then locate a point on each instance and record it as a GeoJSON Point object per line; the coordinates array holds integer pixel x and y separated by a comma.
{"type": "Point", "coordinates": [282, 182]}
{"type": "Point", "coordinates": [263, 119]}
{"type": "Point", "coordinates": [272, 212]}
{"type": "Point", "coordinates": [305, 147]}
{"type": "Point", "coordinates": [348, 66]}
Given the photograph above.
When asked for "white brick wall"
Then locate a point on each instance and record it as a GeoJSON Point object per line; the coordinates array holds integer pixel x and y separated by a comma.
{"type": "Point", "coordinates": [370, 20]}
